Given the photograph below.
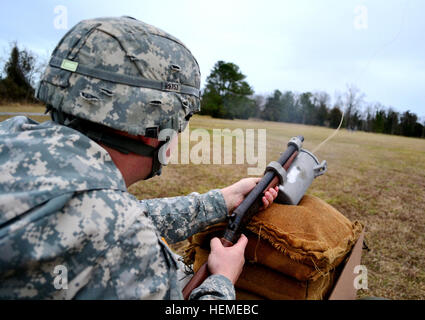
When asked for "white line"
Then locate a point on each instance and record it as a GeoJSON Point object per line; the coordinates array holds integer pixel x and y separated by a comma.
{"type": "Point", "coordinates": [22, 114]}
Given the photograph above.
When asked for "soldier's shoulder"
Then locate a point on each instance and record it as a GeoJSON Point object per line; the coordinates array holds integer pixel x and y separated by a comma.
{"type": "Point", "coordinates": [105, 201]}
{"type": "Point", "coordinates": [105, 214]}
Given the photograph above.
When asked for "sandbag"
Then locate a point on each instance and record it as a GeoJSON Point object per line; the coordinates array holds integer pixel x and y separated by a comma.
{"type": "Point", "coordinates": [272, 285]}
{"type": "Point", "coordinates": [304, 241]}
{"type": "Point", "coordinates": [258, 282]}
{"type": "Point", "coordinates": [245, 295]}
{"type": "Point", "coordinates": [313, 234]}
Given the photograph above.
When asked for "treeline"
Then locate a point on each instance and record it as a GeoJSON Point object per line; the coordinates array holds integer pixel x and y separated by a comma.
{"type": "Point", "coordinates": [316, 109]}
{"type": "Point", "coordinates": [19, 75]}
{"type": "Point", "coordinates": [228, 95]}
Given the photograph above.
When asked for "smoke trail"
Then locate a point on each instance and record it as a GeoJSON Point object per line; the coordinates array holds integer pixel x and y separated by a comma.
{"type": "Point", "coordinates": [331, 136]}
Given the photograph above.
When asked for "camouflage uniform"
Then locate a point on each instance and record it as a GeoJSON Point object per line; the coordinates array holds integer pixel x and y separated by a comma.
{"type": "Point", "coordinates": [64, 202]}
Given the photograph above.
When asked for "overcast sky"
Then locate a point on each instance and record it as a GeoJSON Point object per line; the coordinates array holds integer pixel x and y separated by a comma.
{"type": "Point", "coordinates": [302, 45]}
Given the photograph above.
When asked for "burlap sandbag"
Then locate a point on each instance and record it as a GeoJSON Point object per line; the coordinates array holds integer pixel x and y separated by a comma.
{"type": "Point", "coordinates": [258, 282]}
{"type": "Point", "coordinates": [269, 284]}
{"type": "Point", "coordinates": [310, 239]}
{"type": "Point", "coordinates": [245, 295]}
{"type": "Point", "coordinates": [304, 241]}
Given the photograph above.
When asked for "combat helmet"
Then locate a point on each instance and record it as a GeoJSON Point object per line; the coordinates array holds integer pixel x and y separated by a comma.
{"type": "Point", "coordinates": [123, 74]}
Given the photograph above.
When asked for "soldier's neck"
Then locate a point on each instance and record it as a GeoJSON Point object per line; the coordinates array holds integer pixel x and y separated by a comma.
{"type": "Point", "coordinates": [133, 167]}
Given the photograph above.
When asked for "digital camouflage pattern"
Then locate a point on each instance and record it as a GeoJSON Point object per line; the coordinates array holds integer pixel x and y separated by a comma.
{"type": "Point", "coordinates": [116, 48]}
{"type": "Point", "coordinates": [63, 202]}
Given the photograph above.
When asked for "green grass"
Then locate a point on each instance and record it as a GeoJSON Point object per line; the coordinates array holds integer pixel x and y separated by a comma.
{"type": "Point", "coordinates": [24, 108]}
{"type": "Point", "coordinates": [377, 179]}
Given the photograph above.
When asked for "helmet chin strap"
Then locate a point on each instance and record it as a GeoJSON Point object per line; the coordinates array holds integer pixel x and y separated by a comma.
{"type": "Point", "coordinates": [156, 164]}
{"type": "Point", "coordinates": [126, 146]}
{"type": "Point", "coordinates": [113, 140]}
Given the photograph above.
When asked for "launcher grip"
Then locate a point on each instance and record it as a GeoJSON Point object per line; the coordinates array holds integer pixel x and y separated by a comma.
{"type": "Point", "coordinates": [201, 274]}
{"type": "Point", "coordinates": [245, 211]}
{"type": "Point", "coordinates": [203, 271]}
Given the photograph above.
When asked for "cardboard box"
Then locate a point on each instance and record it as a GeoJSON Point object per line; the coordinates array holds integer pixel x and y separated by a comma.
{"type": "Point", "coordinates": [344, 286]}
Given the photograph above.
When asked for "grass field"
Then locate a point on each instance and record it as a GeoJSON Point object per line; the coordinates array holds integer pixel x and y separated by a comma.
{"type": "Point", "coordinates": [377, 179]}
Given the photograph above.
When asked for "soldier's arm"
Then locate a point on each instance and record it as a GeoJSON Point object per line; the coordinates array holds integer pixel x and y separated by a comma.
{"type": "Point", "coordinates": [178, 218]}
{"type": "Point", "coordinates": [215, 287]}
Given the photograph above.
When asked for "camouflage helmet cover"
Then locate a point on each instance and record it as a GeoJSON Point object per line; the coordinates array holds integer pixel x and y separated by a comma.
{"type": "Point", "coordinates": [124, 74]}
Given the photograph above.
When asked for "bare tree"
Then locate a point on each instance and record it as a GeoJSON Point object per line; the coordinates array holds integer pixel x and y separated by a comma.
{"type": "Point", "coordinates": [322, 101]}
{"type": "Point", "coordinates": [353, 100]}
{"type": "Point", "coordinates": [260, 101]}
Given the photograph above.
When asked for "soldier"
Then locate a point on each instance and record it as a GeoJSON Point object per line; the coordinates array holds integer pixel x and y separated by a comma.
{"type": "Point", "coordinates": [117, 90]}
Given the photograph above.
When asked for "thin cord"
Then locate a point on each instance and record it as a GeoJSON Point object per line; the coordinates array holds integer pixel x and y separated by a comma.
{"type": "Point", "coordinates": [331, 136]}
{"type": "Point", "coordinates": [397, 35]}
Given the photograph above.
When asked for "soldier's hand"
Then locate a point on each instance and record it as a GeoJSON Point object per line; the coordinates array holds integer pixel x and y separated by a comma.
{"type": "Point", "coordinates": [227, 261]}
{"type": "Point", "coordinates": [235, 193]}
